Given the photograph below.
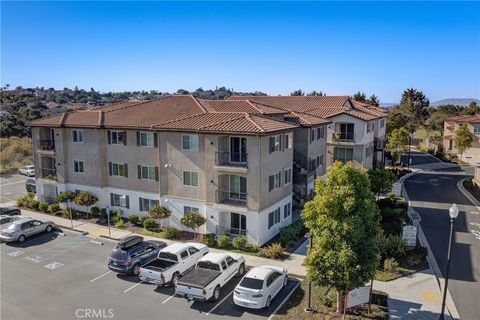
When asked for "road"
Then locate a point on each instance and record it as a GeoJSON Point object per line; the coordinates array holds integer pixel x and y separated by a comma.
{"type": "Point", "coordinates": [52, 276]}
{"type": "Point", "coordinates": [12, 186]}
{"type": "Point", "coordinates": [431, 195]}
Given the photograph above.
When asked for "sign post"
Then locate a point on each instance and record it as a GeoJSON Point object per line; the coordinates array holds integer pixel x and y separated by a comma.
{"type": "Point", "coordinates": [409, 235]}
{"type": "Point", "coordinates": [69, 205]}
{"type": "Point", "coordinates": [397, 189]}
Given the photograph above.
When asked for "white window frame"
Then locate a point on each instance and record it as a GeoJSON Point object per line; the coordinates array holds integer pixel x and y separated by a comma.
{"type": "Point", "coordinates": [78, 163]}
{"type": "Point", "coordinates": [277, 143]}
{"type": "Point", "coordinates": [287, 210]}
{"type": "Point", "coordinates": [151, 203]}
{"type": "Point", "coordinates": [116, 137]}
{"type": "Point", "coordinates": [313, 134]}
{"type": "Point", "coordinates": [277, 180]}
{"type": "Point", "coordinates": [276, 214]}
{"type": "Point", "coordinates": [118, 169]}
{"type": "Point", "coordinates": [190, 174]}
{"type": "Point", "coordinates": [195, 136]}
{"type": "Point", "coordinates": [476, 128]}
{"type": "Point", "coordinates": [76, 132]}
{"type": "Point", "coordinates": [147, 134]}
{"type": "Point", "coordinates": [288, 141]}
{"type": "Point", "coordinates": [288, 169]}
{"type": "Point", "coordinates": [120, 196]}
{"type": "Point", "coordinates": [382, 123]}
{"type": "Point", "coordinates": [190, 209]}
{"type": "Point", "coordinates": [149, 168]}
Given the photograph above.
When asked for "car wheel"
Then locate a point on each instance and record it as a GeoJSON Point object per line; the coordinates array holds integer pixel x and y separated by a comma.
{"type": "Point", "coordinates": [136, 269]}
{"type": "Point", "coordinates": [21, 238]}
{"type": "Point", "coordinates": [175, 279]}
{"type": "Point", "coordinates": [241, 270]}
{"type": "Point", "coordinates": [48, 229]}
{"type": "Point", "coordinates": [285, 281]}
{"type": "Point", "coordinates": [269, 301]}
{"type": "Point", "coordinates": [216, 293]}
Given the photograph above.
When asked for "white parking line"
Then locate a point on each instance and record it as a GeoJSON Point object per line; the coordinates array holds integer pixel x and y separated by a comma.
{"type": "Point", "coordinates": [284, 300]}
{"type": "Point", "coordinates": [219, 303]}
{"type": "Point", "coordinates": [166, 300]}
{"type": "Point", "coordinates": [101, 276]}
{"type": "Point", "coordinates": [132, 287]}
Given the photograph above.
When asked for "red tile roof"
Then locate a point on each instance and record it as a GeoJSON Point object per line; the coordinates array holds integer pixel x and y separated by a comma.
{"type": "Point", "coordinates": [465, 119]}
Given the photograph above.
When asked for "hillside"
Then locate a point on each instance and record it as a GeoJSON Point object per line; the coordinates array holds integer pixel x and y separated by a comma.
{"type": "Point", "coordinates": [455, 101]}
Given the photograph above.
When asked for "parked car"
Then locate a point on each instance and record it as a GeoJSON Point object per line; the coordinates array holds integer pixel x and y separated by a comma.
{"type": "Point", "coordinates": [172, 262]}
{"type": "Point", "coordinates": [131, 253]}
{"type": "Point", "coordinates": [26, 227]}
{"type": "Point", "coordinates": [29, 171]}
{"type": "Point", "coordinates": [211, 273]}
{"type": "Point", "coordinates": [259, 286]}
{"type": "Point", "coordinates": [10, 211]}
{"type": "Point", "coordinates": [30, 185]}
{"type": "Point", "coordinates": [5, 220]}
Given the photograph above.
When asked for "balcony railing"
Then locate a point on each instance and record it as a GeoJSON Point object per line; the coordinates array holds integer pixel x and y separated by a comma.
{"type": "Point", "coordinates": [50, 174]}
{"type": "Point", "coordinates": [343, 136]}
{"type": "Point", "coordinates": [232, 197]}
{"type": "Point", "coordinates": [232, 232]}
{"type": "Point", "coordinates": [46, 145]}
{"type": "Point", "coordinates": [234, 159]}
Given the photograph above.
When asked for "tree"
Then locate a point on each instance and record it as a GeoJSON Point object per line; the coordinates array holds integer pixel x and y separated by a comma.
{"type": "Point", "coordinates": [381, 180]}
{"type": "Point", "coordinates": [316, 93]}
{"type": "Point", "coordinates": [159, 212]}
{"type": "Point", "coordinates": [414, 102]}
{"type": "Point", "coordinates": [193, 221]}
{"type": "Point", "coordinates": [373, 100]}
{"type": "Point", "coordinates": [85, 199]}
{"type": "Point", "coordinates": [462, 139]}
{"type": "Point", "coordinates": [298, 92]}
{"type": "Point", "coordinates": [182, 91]}
{"type": "Point", "coordinates": [436, 120]}
{"type": "Point", "coordinates": [360, 97]}
{"type": "Point", "coordinates": [471, 110]}
{"type": "Point", "coordinates": [397, 143]}
{"type": "Point", "coordinates": [345, 222]}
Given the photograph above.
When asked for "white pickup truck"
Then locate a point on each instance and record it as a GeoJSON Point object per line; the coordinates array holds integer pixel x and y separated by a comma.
{"type": "Point", "coordinates": [212, 272]}
{"type": "Point", "coordinates": [172, 262]}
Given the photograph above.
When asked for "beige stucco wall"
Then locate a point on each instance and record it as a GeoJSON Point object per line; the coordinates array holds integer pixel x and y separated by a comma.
{"type": "Point", "coordinates": [471, 155]}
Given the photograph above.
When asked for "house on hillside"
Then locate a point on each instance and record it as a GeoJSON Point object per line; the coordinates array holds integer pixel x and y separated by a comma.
{"type": "Point", "coordinates": [471, 155]}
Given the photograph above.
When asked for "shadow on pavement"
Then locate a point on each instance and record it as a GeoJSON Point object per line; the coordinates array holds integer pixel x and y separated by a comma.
{"type": "Point", "coordinates": [35, 240]}
{"type": "Point", "coordinates": [399, 309]}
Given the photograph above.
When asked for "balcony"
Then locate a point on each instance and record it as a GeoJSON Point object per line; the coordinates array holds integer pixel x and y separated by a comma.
{"type": "Point", "coordinates": [303, 164]}
{"type": "Point", "coordinates": [49, 174]}
{"type": "Point", "coordinates": [231, 198]}
{"type": "Point", "coordinates": [231, 161]}
{"type": "Point", "coordinates": [343, 136]}
{"type": "Point", "coordinates": [46, 147]}
{"type": "Point", "coordinates": [231, 232]}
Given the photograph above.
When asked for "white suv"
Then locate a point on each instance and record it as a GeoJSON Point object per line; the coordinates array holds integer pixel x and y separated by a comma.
{"type": "Point", "coordinates": [28, 170]}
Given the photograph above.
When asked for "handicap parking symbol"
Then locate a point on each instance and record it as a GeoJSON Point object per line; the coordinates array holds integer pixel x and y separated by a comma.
{"type": "Point", "coordinates": [54, 265]}
{"type": "Point", "coordinates": [16, 253]}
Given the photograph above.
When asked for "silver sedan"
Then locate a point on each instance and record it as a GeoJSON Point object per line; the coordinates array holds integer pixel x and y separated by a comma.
{"type": "Point", "coordinates": [23, 228]}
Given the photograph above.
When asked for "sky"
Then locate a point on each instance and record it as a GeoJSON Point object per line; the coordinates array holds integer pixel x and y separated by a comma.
{"type": "Point", "coordinates": [339, 48]}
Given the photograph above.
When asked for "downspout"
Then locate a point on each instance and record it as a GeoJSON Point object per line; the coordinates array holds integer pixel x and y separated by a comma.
{"type": "Point", "coordinates": [259, 184]}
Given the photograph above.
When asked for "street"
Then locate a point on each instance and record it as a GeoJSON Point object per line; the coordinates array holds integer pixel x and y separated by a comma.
{"type": "Point", "coordinates": [431, 194]}
{"type": "Point", "coordinates": [12, 186]}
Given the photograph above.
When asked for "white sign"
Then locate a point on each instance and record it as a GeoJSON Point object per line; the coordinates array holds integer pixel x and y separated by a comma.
{"type": "Point", "coordinates": [410, 235]}
{"type": "Point", "coordinates": [397, 189]}
{"type": "Point", "coordinates": [358, 296]}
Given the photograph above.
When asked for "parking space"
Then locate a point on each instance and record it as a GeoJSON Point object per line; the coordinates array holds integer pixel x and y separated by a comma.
{"type": "Point", "coordinates": [70, 273]}
{"type": "Point", "coordinates": [12, 186]}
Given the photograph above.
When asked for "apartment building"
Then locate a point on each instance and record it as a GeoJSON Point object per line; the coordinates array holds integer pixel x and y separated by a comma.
{"type": "Point", "coordinates": [471, 155]}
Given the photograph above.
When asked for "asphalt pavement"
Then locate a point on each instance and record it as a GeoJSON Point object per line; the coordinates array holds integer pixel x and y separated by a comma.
{"type": "Point", "coordinates": [12, 186]}
{"type": "Point", "coordinates": [431, 195]}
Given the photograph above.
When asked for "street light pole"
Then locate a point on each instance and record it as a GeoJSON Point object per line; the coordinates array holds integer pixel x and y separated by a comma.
{"type": "Point", "coordinates": [309, 309]}
{"type": "Point", "coordinates": [453, 212]}
{"type": "Point", "coordinates": [409, 148]}
{"type": "Point", "coordinates": [69, 204]}
{"type": "Point", "coordinates": [108, 221]}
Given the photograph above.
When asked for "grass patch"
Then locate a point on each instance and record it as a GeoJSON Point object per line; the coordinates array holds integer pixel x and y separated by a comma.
{"type": "Point", "coordinates": [15, 153]}
{"type": "Point", "coordinates": [324, 305]}
{"type": "Point", "coordinates": [414, 261]}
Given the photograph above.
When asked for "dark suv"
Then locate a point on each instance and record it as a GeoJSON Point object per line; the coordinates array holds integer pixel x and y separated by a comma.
{"type": "Point", "coordinates": [30, 185]}
{"type": "Point", "coordinates": [131, 253]}
{"type": "Point", "coordinates": [10, 211]}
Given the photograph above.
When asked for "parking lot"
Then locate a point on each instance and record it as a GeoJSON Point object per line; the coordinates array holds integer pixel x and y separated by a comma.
{"type": "Point", "coordinates": [12, 186]}
{"type": "Point", "coordinates": [56, 276]}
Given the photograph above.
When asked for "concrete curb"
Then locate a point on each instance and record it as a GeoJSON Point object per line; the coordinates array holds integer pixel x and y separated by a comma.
{"type": "Point", "coordinates": [467, 194]}
{"type": "Point", "coordinates": [452, 310]}
{"type": "Point", "coordinates": [109, 238]}
{"type": "Point", "coordinates": [84, 233]}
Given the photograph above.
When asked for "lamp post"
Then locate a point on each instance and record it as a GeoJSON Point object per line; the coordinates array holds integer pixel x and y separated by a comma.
{"type": "Point", "coordinates": [108, 221]}
{"type": "Point", "coordinates": [453, 212]}
{"type": "Point", "coordinates": [309, 309]}
{"type": "Point", "coordinates": [69, 205]}
{"type": "Point", "coordinates": [409, 148]}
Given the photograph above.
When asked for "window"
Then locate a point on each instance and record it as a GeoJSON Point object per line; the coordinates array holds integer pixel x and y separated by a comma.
{"type": "Point", "coordinates": [147, 204]}
{"type": "Point", "coordinates": [313, 135]}
{"type": "Point", "coordinates": [343, 154]}
{"type": "Point", "coordinates": [382, 123]}
{"type": "Point", "coordinates": [287, 210]}
{"type": "Point", "coordinates": [78, 166]}
{"type": "Point", "coordinates": [275, 143]}
{"type": "Point", "coordinates": [147, 172]}
{"type": "Point", "coordinates": [117, 169]}
{"type": "Point", "coordinates": [287, 176]}
{"type": "Point", "coordinates": [321, 133]}
{"type": "Point", "coordinates": [189, 142]}
{"type": "Point", "coordinates": [187, 210]}
{"type": "Point", "coordinates": [368, 127]}
{"type": "Point", "coordinates": [117, 137]}
{"type": "Point", "coordinates": [319, 160]}
{"type": "Point", "coordinates": [476, 128]}
{"type": "Point", "coordinates": [77, 136]}
{"type": "Point", "coordinates": [288, 140]}
{"type": "Point", "coordinates": [184, 255]}
{"type": "Point", "coordinates": [146, 139]}
{"type": "Point", "coordinates": [237, 187]}
{"type": "Point", "coordinates": [347, 131]}
{"type": "Point", "coordinates": [190, 178]}
{"type": "Point", "coordinates": [224, 265]}
{"type": "Point", "coordinates": [120, 200]}
{"type": "Point", "coordinates": [230, 261]}
{"type": "Point", "coordinates": [273, 217]}
{"type": "Point", "coordinates": [192, 250]}
{"type": "Point", "coordinates": [274, 181]}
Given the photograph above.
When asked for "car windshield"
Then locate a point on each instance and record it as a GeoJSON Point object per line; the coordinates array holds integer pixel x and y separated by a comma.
{"type": "Point", "coordinates": [167, 256]}
{"type": "Point", "coordinates": [251, 283]}
{"type": "Point", "coordinates": [13, 227]}
{"type": "Point", "coordinates": [118, 254]}
{"type": "Point", "coordinates": [29, 167]}
{"type": "Point", "coordinates": [31, 181]}
{"type": "Point", "coordinates": [208, 265]}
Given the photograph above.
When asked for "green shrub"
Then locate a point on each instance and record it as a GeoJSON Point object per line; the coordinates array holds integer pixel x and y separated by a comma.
{"type": "Point", "coordinates": [103, 214]}
{"type": "Point", "coordinates": [43, 206]}
{"type": "Point", "coordinates": [143, 218]}
{"type": "Point", "coordinates": [240, 243]}
{"type": "Point", "coordinates": [291, 233]}
{"type": "Point", "coordinates": [133, 219]}
{"type": "Point", "coordinates": [390, 265]}
{"type": "Point", "coordinates": [395, 246]}
{"type": "Point", "coordinates": [210, 239]}
{"type": "Point", "coordinates": [26, 200]}
{"type": "Point", "coordinates": [272, 251]}
{"type": "Point", "coordinates": [34, 204]}
{"type": "Point", "coordinates": [328, 297]}
{"type": "Point", "coordinates": [65, 196]}
{"type": "Point", "coordinates": [54, 208]}
{"type": "Point", "coordinates": [253, 248]}
{"type": "Point", "coordinates": [66, 214]}
{"type": "Point", "coordinates": [120, 224]}
{"type": "Point", "coordinates": [170, 233]}
{"type": "Point", "coordinates": [95, 211]}
{"type": "Point", "coordinates": [115, 216]}
{"type": "Point", "coordinates": [149, 224]}
{"type": "Point", "coordinates": [223, 241]}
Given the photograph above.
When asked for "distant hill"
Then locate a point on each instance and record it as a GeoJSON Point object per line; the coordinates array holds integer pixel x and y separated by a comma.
{"type": "Point", "coordinates": [455, 101]}
{"type": "Point", "coordinates": [387, 104]}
